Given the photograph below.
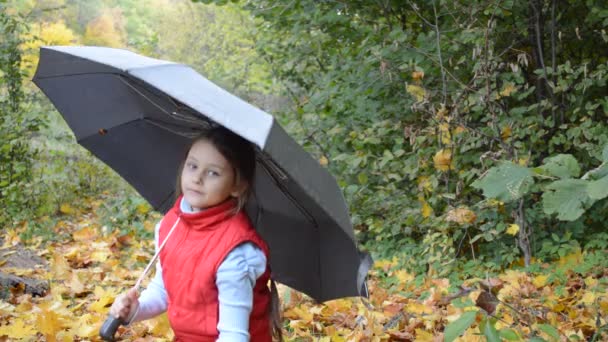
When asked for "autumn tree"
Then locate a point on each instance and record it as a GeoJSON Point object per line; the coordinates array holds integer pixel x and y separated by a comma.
{"type": "Point", "coordinates": [106, 30]}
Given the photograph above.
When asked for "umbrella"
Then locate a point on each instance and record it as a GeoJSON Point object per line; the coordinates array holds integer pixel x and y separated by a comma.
{"type": "Point", "coordinates": [138, 115]}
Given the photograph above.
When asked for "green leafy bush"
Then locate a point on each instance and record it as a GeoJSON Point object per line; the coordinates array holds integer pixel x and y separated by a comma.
{"type": "Point", "coordinates": [423, 108]}
{"type": "Point", "coordinates": [17, 125]}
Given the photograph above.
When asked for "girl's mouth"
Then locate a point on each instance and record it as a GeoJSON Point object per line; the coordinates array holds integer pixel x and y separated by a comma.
{"type": "Point", "coordinates": [194, 191]}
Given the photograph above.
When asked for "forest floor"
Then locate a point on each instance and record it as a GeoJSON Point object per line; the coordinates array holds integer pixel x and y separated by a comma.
{"type": "Point", "coordinates": [58, 286]}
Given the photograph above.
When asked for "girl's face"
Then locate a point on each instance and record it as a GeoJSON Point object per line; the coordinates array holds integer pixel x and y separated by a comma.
{"type": "Point", "coordinates": [207, 179]}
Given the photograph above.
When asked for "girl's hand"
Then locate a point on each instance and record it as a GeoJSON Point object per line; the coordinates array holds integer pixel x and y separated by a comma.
{"type": "Point", "coordinates": [125, 305]}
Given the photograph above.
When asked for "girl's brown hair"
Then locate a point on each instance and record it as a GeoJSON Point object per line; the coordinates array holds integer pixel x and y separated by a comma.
{"type": "Point", "coordinates": [241, 156]}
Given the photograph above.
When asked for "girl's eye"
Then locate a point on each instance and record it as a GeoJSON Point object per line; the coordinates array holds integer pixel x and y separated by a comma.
{"type": "Point", "coordinates": [191, 166]}
{"type": "Point", "coordinates": [212, 173]}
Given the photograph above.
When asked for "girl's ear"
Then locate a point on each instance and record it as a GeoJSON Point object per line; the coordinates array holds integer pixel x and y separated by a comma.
{"type": "Point", "coordinates": [239, 189]}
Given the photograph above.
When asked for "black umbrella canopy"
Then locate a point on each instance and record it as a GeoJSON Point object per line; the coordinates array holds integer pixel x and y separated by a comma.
{"type": "Point", "coordinates": [139, 114]}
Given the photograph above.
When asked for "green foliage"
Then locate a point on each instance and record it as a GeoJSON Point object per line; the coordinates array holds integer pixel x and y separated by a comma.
{"type": "Point", "coordinates": [489, 331]}
{"type": "Point", "coordinates": [16, 124]}
{"type": "Point", "coordinates": [456, 328]}
{"type": "Point", "coordinates": [65, 174]}
{"type": "Point", "coordinates": [558, 247]}
{"type": "Point", "coordinates": [62, 172]}
{"type": "Point", "coordinates": [506, 182]}
{"type": "Point", "coordinates": [561, 165]}
{"type": "Point", "coordinates": [568, 197]}
{"type": "Point", "coordinates": [417, 106]}
{"type": "Point", "coordinates": [127, 212]}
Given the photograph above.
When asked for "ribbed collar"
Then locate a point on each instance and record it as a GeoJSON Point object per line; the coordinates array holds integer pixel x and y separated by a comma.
{"type": "Point", "coordinates": [206, 218]}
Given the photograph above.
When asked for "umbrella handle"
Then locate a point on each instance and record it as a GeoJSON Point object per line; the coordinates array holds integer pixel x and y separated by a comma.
{"type": "Point", "coordinates": [109, 327]}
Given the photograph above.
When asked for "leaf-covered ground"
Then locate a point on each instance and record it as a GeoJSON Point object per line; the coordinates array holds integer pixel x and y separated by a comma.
{"type": "Point", "coordinates": [88, 265]}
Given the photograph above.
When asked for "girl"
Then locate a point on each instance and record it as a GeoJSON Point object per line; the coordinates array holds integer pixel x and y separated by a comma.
{"type": "Point", "coordinates": [213, 270]}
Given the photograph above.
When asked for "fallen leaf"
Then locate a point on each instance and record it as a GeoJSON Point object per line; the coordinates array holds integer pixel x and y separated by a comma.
{"type": "Point", "coordinates": [85, 234]}
{"type": "Point", "coordinates": [540, 280]}
{"type": "Point", "coordinates": [487, 301]}
{"type": "Point", "coordinates": [19, 328]}
{"type": "Point", "coordinates": [66, 209]}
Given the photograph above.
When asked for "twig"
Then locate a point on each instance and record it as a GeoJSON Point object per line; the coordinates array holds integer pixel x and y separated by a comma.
{"type": "Point", "coordinates": [438, 42]}
{"type": "Point", "coordinates": [524, 234]}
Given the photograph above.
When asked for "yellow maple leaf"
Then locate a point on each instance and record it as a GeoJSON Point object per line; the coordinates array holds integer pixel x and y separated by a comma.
{"type": "Point", "coordinates": [339, 305]}
{"type": "Point", "coordinates": [24, 307]}
{"type": "Point", "coordinates": [403, 276]}
{"type": "Point", "coordinates": [60, 268]}
{"type": "Point", "coordinates": [418, 308]}
{"type": "Point", "coordinates": [416, 91]}
{"type": "Point", "coordinates": [66, 209]}
{"type": "Point", "coordinates": [49, 323]}
{"type": "Point", "coordinates": [161, 326]}
{"type": "Point", "coordinates": [85, 234]}
{"type": "Point", "coordinates": [604, 304]}
{"type": "Point", "coordinates": [540, 280]}
{"type": "Point", "coordinates": [588, 298]}
{"type": "Point", "coordinates": [18, 329]}
{"type": "Point", "coordinates": [591, 282]}
{"type": "Point", "coordinates": [101, 256]}
{"type": "Point", "coordinates": [443, 160]}
{"type": "Point", "coordinates": [383, 264]}
{"type": "Point", "coordinates": [424, 336]}
{"type": "Point", "coordinates": [105, 298]}
{"type": "Point", "coordinates": [297, 313]}
{"type": "Point", "coordinates": [76, 285]}
{"type": "Point", "coordinates": [84, 327]}
{"type": "Point", "coordinates": [513, 229]}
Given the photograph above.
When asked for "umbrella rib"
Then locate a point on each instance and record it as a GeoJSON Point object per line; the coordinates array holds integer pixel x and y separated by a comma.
{"type": "Point", "coordinates": [181, 133]}
{"type": "Point", "coordinates": [122, 79]}
{"type": "Point", "coordinates": [174, 114]}
{"type": "Point", "coordinates": [288, 195]}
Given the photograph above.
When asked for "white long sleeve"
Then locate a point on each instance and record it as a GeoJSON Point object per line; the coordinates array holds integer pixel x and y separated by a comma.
{"type": "Point", "coordinates": [235, 280]}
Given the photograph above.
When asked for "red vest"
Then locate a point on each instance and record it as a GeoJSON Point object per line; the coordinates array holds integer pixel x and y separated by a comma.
{"type": "Point", "coordinates": [190, 259]}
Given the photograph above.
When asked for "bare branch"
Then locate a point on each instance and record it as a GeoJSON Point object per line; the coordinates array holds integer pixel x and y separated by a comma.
{"type": "Point", "coordinates": [438, 40]}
